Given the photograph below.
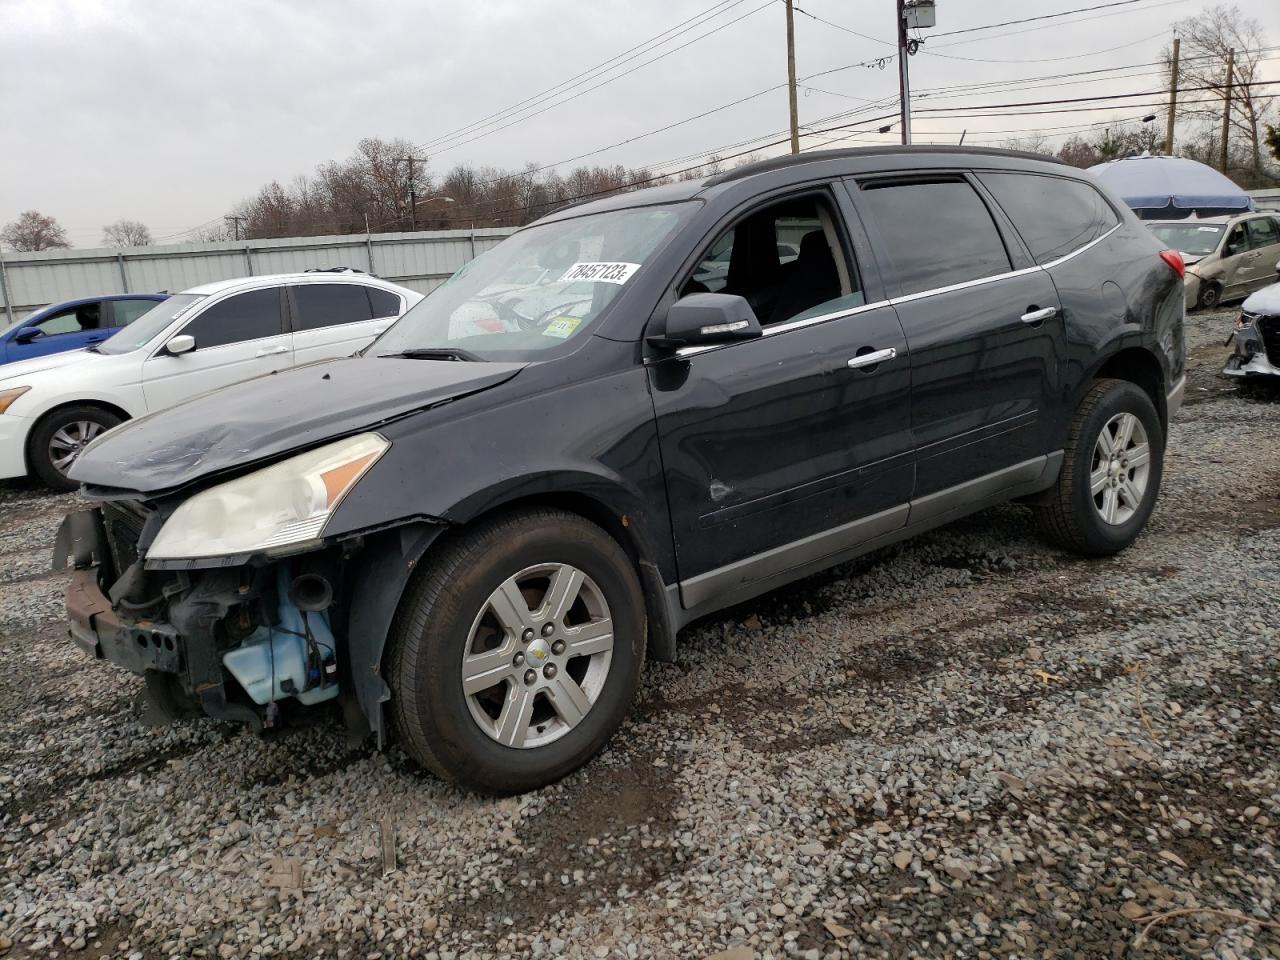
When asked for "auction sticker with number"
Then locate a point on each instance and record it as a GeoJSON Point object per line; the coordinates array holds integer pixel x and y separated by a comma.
{"type": "Point", "coordinates": [600, 272]}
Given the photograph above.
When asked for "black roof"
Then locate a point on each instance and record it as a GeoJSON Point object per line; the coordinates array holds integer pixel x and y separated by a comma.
{"type": "Point", "coordinates": [815, 156]}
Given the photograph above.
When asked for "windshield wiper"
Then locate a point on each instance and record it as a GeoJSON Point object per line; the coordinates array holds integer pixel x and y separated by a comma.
{"type": "Point", "coordinates": [435, 353]}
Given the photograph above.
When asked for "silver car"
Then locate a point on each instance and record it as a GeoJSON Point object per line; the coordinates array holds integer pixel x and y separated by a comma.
{"type": "Point", "coordinates": [1257, 337]}
{"type": "Point", "coordinates": [1227, 258]}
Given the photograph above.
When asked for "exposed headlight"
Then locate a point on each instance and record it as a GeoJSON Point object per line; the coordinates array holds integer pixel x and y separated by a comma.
{"type": "Point", "coordinates": [279, 506]}
{"type": "Point", "coordinates": [8, 396]}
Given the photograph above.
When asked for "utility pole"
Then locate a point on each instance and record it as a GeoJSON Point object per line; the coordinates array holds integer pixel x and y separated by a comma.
{"type": "Point", "coordinates": [1226, 108]}
{"type": "Point", "coordinates": [791, 77]}
{"type": "Point", "coordinates": [904, 82]}
{"type": "Point", "coordinates": [1173, 97]}
{"type": "Point", "coordinates": [235, 224]}
{"type": "Point", "coordinates": [413, 200]}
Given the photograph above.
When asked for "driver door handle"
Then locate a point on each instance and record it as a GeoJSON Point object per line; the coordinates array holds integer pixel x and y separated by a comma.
{"type": "Point", "coordinates": [271, 351]}
{"type": "Point", "coordinates": [1040, 316]}
{"type": "Point", "coordinates": [871, 359]}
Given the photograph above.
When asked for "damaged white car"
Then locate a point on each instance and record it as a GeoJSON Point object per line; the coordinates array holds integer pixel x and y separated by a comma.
{"type": "Point", "coordinates": [1257, 336]}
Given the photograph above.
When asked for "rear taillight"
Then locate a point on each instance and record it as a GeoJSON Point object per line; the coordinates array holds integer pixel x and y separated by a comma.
{"type": "Point", "coordinates": [1174, 259]}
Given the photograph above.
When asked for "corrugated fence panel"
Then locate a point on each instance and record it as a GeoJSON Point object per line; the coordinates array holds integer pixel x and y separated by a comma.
{"type": "Point", "coordinates": [420, 261]}
{"type": "Point", "coordinates": [179, 272]}
{"type": "Point", "coordinates": [49, 282]}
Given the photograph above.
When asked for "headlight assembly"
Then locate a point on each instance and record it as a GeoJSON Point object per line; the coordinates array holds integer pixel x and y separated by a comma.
{"type": "Point", "coordinates": [269, 510]}
{"type": "Point", "coordinates": [8, 396]}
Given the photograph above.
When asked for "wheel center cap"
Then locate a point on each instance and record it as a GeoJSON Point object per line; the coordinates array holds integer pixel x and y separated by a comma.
{"type": "Point", "coordinates": [538, 652]}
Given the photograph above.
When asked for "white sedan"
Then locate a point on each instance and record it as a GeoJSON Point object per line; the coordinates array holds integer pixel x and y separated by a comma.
{"type": "Point", "coordinates": [207, 337]}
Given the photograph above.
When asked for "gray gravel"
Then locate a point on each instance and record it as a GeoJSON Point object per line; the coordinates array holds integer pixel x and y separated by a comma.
{"type": "Point", "coordinates": [970, 745]}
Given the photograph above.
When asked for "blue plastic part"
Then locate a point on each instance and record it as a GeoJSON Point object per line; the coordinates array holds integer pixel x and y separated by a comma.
{"type": "Point", "coordinates": [271, 657]}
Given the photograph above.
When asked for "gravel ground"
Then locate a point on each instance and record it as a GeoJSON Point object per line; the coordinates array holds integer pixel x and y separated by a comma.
{"type": "Point", "coordinates": [970, 745]}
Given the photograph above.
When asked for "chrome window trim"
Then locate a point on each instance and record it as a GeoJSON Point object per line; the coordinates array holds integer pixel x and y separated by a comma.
{"type": "Point", "coordinates": [894, 301]}
{"type": "Point", "coordinates": [1079, 250]}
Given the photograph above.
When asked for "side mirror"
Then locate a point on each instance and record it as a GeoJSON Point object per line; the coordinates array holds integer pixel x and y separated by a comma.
{"type": "Point", "coordinates": [182, 343]}
{"type": "Point", "coordinates": [705, 318]}
{"type": "Point", "coordinates": [27, 334]}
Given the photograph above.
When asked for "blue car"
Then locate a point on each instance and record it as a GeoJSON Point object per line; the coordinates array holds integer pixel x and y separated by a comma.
{"type": "Point", "coordinates": [72, 325]}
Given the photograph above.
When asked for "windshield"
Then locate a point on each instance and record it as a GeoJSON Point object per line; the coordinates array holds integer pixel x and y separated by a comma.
{"type": "Point", "coordinates": [151, 324]}
{"type": "Point", "coordinates": [1197, 239]}
{"type": "Point", "coordinates": [534, 291]}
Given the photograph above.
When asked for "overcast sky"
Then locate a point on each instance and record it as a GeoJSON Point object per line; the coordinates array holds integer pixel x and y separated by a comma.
{"type": "Point", "coordinates": [171, 111]}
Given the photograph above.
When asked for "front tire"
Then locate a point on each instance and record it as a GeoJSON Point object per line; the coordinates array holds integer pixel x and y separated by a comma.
{"type": "Point", "coordinates": [1210, 297]}
{"type": "Point", "coordinates": [57, 440]}
{"type": "Point", "coordinates": [1111, 472]}
{"type": "Point", "coordinates": [516, 651]}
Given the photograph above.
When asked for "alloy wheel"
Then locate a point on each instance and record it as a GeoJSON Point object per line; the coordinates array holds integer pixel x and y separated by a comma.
{"type": "Point", "coordinates": [537, 656]}
{"type": "Point", "coordinates": [68, 441]}
{"type": "Point", "coordinates": [1120, 469]}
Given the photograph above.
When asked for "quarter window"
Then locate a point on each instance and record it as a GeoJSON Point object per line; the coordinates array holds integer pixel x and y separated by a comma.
{"type": "Point", "coordinates": [384, 302]}
{"type": "Point", "coordinates": [1054, 215]}
{"type": "Point", "coordinates": [935, 233]}
{"type": "Point", "coordinates": [329, 305]}
{"type": "Point", "coordinates": [246, 316]}
{"type": "Point", "coordinates": [787, 260]}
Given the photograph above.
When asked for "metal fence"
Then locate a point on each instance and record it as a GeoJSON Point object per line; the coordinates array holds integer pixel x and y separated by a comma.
{"type": "Point", "coordinates": [420, 261]}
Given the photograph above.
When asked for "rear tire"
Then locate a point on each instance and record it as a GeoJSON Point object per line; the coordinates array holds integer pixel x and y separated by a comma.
{"type": "Point", "coordinates": [490, 687]}
{"type": "Point", "coordinates": [61, 434]}
{"type": "Point", "coordinates": [1111, 472]}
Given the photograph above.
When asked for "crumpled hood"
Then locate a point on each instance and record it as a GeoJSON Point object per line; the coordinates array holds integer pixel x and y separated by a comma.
{"type": "Point", "coordinates": [262, 418]}
{"type": "Point", "coordinates": [1266, 302]}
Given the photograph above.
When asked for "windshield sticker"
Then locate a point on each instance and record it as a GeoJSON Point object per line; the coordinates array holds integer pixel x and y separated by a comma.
{"type": "Point", "coordinates": [1209, 229]}
{"type": "Point", "coordinates": [600, 272]}
{"type": "Point", "coordinates": [562, 327]}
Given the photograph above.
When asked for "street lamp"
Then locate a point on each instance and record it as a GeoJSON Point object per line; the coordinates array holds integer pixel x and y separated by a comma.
{"type": "Point", "coordinates": [441, 198]}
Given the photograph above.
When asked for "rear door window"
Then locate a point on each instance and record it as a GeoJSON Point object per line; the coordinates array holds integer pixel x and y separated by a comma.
{"type": "Point", "coordinates": [127, 311]}
{"type": "Point", "coordinates": [1053, 215]}
{"type": "Point", "coordinates": [329, 305]}
{"type": "Point", "coordinates": [246, 316]}
{"type": "Point", "coordinates": [934, 233]}
{"type": "Point", "coordinates": [1262, 232]}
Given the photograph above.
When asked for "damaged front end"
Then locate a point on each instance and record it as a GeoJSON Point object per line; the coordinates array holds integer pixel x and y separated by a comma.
{"type": "Point", "coordinates": [1256, 341]}
{"type": "Point", "coordinates": [250, 643]}
{"type": "Point", "coordinates": [232, 602]}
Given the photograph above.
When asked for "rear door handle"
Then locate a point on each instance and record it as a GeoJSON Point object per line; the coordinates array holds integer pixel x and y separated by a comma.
{"type": "Point", "coordinates": [871, 359]}
{"type": "Point", "coordinates": [1040, 316]}
{"type": "Point", "coordinates": [271, 351]}
{"type": "Point", "coordinates": [379, 331]}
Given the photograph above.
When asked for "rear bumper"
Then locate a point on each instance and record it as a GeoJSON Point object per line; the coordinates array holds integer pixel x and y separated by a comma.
{"type": "Point", "coordinates": [13, 445]}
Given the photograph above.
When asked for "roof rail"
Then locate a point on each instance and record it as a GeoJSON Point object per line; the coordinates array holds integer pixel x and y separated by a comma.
{"type": "Point", "coordinates": [816, 156]}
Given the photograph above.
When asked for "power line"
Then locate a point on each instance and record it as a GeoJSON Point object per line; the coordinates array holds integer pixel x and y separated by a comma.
{"type": "Point", "coordinates": [608, 80]}
{"type": "Point", "coordinates": [657, 40]}
{"type": "Point", "coordinates": [1043, 16]}
{"type": "Point", "coordinates": [1076, 56]}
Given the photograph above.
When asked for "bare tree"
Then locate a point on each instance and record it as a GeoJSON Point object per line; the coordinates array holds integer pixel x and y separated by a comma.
{"type": "Point", "coordinates": [126, 233]}
{"type": "Point", "coordinates": [34, 231]}
{"type": "Point", "coordinates": [1031, 143]}
{"type": "Point", "coordinates": [1206, 40]}
{"type": "Point", "coordinates": [1079, 152]}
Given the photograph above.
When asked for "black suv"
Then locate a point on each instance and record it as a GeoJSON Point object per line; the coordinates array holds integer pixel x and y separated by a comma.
{"type": "Point", "coordinates": [628, 415]}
